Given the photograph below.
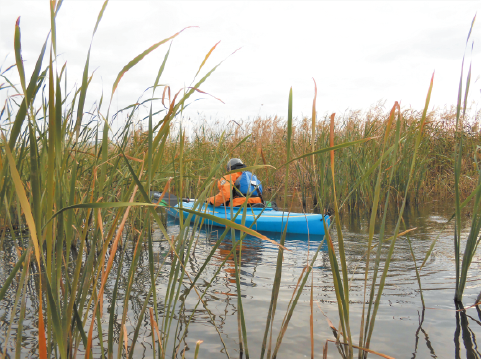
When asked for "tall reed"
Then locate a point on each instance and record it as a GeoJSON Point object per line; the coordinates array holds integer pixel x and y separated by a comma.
{"type": "Point", "coordinates": [83, 192]}
{"type": "Point", "coordinates": [472, 240]}
{"type": "Point", "coordinates": [433, 177]}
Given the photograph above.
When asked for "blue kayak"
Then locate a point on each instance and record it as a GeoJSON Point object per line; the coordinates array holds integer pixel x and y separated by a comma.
{"type": "Point", "coordinates": [266, 219]}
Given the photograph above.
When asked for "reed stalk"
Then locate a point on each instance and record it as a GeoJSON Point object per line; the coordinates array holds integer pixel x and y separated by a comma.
{"type": "Point", "coordinates": [81, 189]}
{"type": "Point", "coordinates": [92, 197]}
{"type": "Point", "coordinates": [472, 240]}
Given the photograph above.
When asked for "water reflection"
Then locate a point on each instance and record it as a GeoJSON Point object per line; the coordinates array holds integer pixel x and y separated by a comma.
{"type": "Point", "coordinates": [402, 324]}
{"type": "Point", "coordinates": [249, 253]}
{"type": "Point", "coordinates": [426, 337]}
{"type": "Point", "coordinates": [468, 337]}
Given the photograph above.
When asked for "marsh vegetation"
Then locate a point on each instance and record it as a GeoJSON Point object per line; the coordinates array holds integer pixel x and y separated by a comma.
{"type": "Point", "coordinates": [78, 230]}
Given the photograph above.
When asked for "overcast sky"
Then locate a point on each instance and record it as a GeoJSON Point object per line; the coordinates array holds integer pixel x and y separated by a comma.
{"type": "Point", "coordinates": [358, 52]}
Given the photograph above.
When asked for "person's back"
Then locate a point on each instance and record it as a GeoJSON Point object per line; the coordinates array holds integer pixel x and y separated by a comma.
{"type": "Point", "coordinates": [227, 186]}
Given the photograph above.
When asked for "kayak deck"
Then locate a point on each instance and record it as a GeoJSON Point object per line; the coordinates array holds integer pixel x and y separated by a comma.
{"type": "Point", "coordinates": [266, 219]}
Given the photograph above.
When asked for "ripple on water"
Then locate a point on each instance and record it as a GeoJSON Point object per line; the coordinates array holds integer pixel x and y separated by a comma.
{"type": "Point", "coordinates": [397, 331]}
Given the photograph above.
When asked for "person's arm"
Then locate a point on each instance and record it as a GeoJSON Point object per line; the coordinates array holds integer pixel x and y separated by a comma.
{"type": "Point", "coordinates": [224, 192]}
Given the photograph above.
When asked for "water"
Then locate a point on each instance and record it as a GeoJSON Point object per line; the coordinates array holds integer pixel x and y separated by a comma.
{"type": "Point", "coordinates": [402, 329]}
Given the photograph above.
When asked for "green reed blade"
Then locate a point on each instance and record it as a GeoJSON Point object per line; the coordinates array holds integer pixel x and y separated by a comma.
{"type": "Point", "coordinates": [23, 306]}
{"type": "Point", "coordinates": [369, 318]}
{"type": "Point", "coordinates": [472, 240]}
{"type": "Point", "coordinates": [55, 319]}
{"type": "Point", "coordinates": [22, 196]}
{"type": "Point", "coordinates": [288, 145]}
{"type": "Point", "coordinates": [137, 59]}
{"type": "Point", "coordinates": [11, 276]}
{"type": "Point", "coordinates": [18, 58]}
{"type": "Point", "coordinates": [161, 70]}
{"type": "Point", "coordinates": [72, 305]}
{"type": "Point", "coordinates": [277, 278]}
{"type": "Point", "coordinates": [457, 173]}
{"type": "Point", "coordinates": [468, 199]}
{"type": "Point", "coordinates": [13, 311]}
{"type": "Point", "coordinates": [170, 298]}
{"type": "Point", "coordinates": [100, 335]}
{"type": "Point", "coordinates": [75, 317]}
{"type": "Point", "coordinates": [69, 219]}
{"type": "Point", "coordinates": [140, 321]}
{"type": "Point", "coordinates": [470, 29]}
{"type": "Point", "coordinates": [294, 300]}
{"type": "Point", "coordinates": [241, 142]}
{"type": "Point", "coordinates": [149, 151]}
{"type": "Point", "coordinates": [313, 126]}
{"type": "Point", "coordinates": [104, 156]}
{"type": "Point", "coordinates": [237, 266]}
{"type": "Point", "coordinates": [342, 255]}
{"type": "Point", "coordinates": [476, 222]}
{"type": "Point", "coordinates": [64, 69]}
{"type": "Point", "coordinates": [181, 170]}
{"type": "Point", "coordinates": [110, 349]}
{"type": "Point", "coordinates": [83, 94]}
{"type": "Point", "coordinates": [50, 164]}
{"type": "Point", "coordinates": [337, 286]}
{"type": "Point", "coordinates": [58, 189]}
{"type": "Point", "coordinates": [11, 84]}
{"type": "Point", "coordinates": [7, 69]}
{"type": "Point", "coordinates": [197, 347]}
{"type": "Point", "coordinates": [148, 220]}
{"type": "Point", "coordinates": [53, 28]}
{"type": "Point", "coordinates": [85, 77]}
{"type": "Point", "coordinates": [372, 223]}
{"type": "Point", "coordinates": [206, 57]}
{"type": "Point", "coordinates": [22, 111]}
{"type": "Point", "coordinates": [401, 211]}
{"type": "Point", "coordinates": [80, 328]}
{"type": "Point", "coordinates": [99, 17]}
{"type": "Point", "coordinates": [132, 271]}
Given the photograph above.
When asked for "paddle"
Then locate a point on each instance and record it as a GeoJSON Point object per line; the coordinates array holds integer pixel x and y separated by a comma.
{"type": "Point", "coordinates": [172, 200]}
{"type": "Point", "coordinates": [169, 198]}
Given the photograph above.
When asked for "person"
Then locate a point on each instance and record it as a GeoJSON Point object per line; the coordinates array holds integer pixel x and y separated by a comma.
{"type": "Point", "coordinates": [226, 186]}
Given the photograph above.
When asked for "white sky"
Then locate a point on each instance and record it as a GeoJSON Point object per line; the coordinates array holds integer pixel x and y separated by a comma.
{"type": "Point", "coordinates": [358, 52]}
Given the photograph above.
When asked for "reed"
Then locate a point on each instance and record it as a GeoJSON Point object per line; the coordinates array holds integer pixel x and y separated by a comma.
{"type": "Point", "coordinates": [433, 177]}
{"type": "Point", "coordinates": [472, 240]}
{"type": "Point", "coordinates": [80, 192]}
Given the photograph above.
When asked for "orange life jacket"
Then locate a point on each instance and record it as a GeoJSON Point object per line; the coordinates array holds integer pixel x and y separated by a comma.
{"type": "Point", "coordinates": [226, 185]}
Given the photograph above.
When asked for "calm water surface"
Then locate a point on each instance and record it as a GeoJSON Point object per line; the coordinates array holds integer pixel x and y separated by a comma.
{"type": "Point", "coordinates": [402, 329]}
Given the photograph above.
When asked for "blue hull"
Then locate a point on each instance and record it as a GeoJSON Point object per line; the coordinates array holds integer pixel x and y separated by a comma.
{"type": "Point", "coordinates": [268, 221]}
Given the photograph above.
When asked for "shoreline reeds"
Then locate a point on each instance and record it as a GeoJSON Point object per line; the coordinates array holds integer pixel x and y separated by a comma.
{"type": "Point", "coordinates": [80, 196]}
{"type": "Point", "coordinates": [434, 177]}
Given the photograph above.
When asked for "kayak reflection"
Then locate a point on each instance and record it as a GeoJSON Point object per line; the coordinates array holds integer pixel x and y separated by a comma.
{"type": "Point", "coordinates": [252, 250]}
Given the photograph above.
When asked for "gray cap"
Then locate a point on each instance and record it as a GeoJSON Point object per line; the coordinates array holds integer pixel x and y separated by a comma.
{"type": "Point", "coordinates": [232, 163]}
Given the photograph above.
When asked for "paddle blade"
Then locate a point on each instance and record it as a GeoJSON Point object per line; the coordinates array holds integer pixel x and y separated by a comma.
{"type": "Point", "coordinates": [168, 198]}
